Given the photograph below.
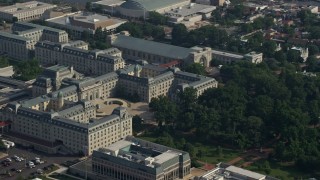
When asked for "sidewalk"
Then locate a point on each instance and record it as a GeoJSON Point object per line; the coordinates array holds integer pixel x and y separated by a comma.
{"type": "Point", "coordinates": [3, 155]}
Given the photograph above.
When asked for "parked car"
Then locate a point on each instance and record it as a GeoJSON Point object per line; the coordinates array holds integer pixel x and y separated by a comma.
{"type": "Point", "coordinates": [30, 164]}
{"type": "Point", "coordinates": [39, 171]}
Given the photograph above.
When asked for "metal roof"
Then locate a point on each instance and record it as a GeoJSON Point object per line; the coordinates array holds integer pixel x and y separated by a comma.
{"type": "Point", "coordinates": [151, 47]}
{"type": "Point", "coordinates": [149, 5]}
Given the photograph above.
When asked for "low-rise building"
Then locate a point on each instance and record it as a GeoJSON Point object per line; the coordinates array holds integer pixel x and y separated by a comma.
{"type": "Point", "coordinates": [78, 23]}
{"type": "Point", "coordinates": [254, 57]}
{"type": "Point", "coordinates": [134, 158]}
{"type": "Point", "coordinates": [189, 14]}
{"type": "Point", "coordinates": [230, 57]}
{"type": "Point", "coordinates": [226, 57]}
{"type": "Point", "coordinates": [225, 171]}
{"type": "Point", "coordinates": [24, 11]}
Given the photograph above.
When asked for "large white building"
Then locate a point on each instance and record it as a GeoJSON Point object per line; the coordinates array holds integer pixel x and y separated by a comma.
{"type": "Point", "coordinates": [226, 171]}
{"type": "Point", "coordinates": [189, 14]}
{"type": "Point", "coordinates": [24, 11]}
{"type": "Point", "coordinates": [78, 23]}
{"type": "Point", "coordinates": [141, 8]}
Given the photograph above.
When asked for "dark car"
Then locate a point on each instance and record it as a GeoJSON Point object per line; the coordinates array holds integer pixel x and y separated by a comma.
{"type": "Point", "coordinates": [13, 169]}
{"type": "Point", "coordinates": [6, 164]}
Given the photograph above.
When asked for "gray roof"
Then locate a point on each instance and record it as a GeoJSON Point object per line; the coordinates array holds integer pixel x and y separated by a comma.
{"type": "Point", "coordinates": [32, 26]}
{"type": "Point", "coordinates": [154, 67]}
{"type": "Point", "coordinates": [13, 36]}
{"type": "Point", "coordinates": [193, 79]}
{"type": "Point", "coordinates": [190, 9]}
{"type": "Point", "coordinates": [35, 101]}
{"type": "Point", "coordinates": [149, 5]}
{"type": "Point", "coordinates": [66, 91]}
{"type": "Point", "coordinates": [164, 157]}
{"type": "Point", "coordinates": [151, 47]}
{"type": "Point", "coordinates": [107, 77]}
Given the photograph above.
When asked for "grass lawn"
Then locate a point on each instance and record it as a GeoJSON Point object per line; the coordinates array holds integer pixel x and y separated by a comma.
{"type": "Point", "coordinates": [281, 171]}
{"type": "Point", "coordinates": [211, 156]}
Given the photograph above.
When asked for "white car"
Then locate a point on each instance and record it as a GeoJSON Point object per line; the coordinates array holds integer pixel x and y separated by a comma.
{"type": "Point", "coordinates": [18, 159]}
{"type": "Point", "coordinates": [15, 157]}
{"type": "Point", "coordinates": [8, 160]}
{"type": "Point", "coordinates": [31, 164]}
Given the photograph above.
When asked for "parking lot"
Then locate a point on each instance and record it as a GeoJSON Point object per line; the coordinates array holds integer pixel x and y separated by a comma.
{"type": "Point", "coordinates": [28, 155]}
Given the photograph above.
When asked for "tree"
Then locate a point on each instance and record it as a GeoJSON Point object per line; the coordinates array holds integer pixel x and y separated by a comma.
{"type": "Point", "coordinates": [136, 123]}
{"type": "Point", "coordinates": [246, 28]}
{"type": "Point", "coordinates": [199, 153]}
{"type": "Point", "coordinates": [89, 6]}
{"type": "Point", "coordinates": [166, 140]}
{"type": "Point", "coordinates": [179, 34]}
{"type": "Point", "coordinates": [74, 9]}
{"type": "Point", "coordinates": [14, 19]}
{"type": "Point", "coordinates": [85, 35]}
{"type": "Point", "coordinates": [28, 69]}
{"type": "Point", "coordinates": [219, 151]}
{"type": "Point", "coordinates": [165, 110]}
{"type": "Point", "coordinates": [313, 50]}
{"type": "Point", "coordinates": [269, 48]}
{"type": "Point", "coordinates": [187, 98]}
{"type": "Point", "coordinates": [312, 64]}
{"type": "Point", "coordinates": [293, 56]}
{"type": "Point", "coordinates": [280, 56]}
{"type": "Point", "coordinates": [196, 68]}
{"type": "Point", "coordinates": [190, 149]}
{"type": "Point", "coordinates": [157, 18]}
{"type": "Point", "coordinates": [4, 62]}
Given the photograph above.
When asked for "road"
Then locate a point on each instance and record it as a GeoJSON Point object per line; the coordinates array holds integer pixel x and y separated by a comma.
{"type": "Point", "coordinates": [29, 154]}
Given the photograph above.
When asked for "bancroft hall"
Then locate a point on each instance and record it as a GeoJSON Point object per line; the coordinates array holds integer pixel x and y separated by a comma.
{"type": "Point", "coordinates": [62, 117]}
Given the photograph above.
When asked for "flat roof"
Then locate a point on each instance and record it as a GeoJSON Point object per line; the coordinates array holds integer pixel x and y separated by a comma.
{"type": "Point", "coordinates": [245, 172]}
{"type": "Point", "coordinates": [228, 54]}
{"type": "Point", "coordinates": [150, 5]}
{"type": "Point", "coordinates": [87, 18]}
{"type": "Point", "coordinates": [166, 156]}
{"type": "Point", "coordinates": [190, 9]}
{"type": "Point", "coordinates": [14, 36]}
{"type": "Point", "coordinates": [152, 47]}
{"type": "Point", "coordinates": [109, 2]}
{"type": "Point", "coordinates": [23, 7]}
{"type": "Point", "coordinates": [118, 145]}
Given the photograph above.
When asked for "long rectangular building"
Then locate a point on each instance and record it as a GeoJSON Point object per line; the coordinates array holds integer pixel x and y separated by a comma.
{"type": "Point", "coordinates": [154, 52]}
{"type": "Point", "coordinates": [95, 62]}
{"type": "Point", "coordinates": [24, 11]}
{"type": "Point", "coordinates": [19, 44]}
